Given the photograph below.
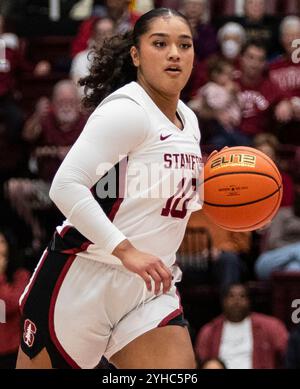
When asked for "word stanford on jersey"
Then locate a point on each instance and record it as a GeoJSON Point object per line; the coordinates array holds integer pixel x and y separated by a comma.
{"type": "Point", "coordinates": [179, 161]}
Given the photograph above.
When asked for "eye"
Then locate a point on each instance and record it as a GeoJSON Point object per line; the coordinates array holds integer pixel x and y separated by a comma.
{"type": "Point", "coordinates": [186, 46]}
{"type": "Point", "coordinates": [159, 44]}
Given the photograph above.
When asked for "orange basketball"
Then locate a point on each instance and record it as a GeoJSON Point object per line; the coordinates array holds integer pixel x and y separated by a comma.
{"type": "Point", "coordinates": [242, 189]}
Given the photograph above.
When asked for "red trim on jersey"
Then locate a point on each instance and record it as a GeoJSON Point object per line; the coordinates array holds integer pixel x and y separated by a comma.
{"type": "Point", "coordinates": [31, 283]}
{"type": "Point", "coordinates": [56, 290]}
{"type": "Point", "coordinates": [115, 209]}
{"type": "Point", "coordinates": [63, 232]}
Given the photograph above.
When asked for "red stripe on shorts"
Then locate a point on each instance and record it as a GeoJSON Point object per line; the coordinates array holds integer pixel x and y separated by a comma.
{"type": "Point", "coordinates": [31, 283]}
{"type": "Point", "coordinates": [57, 287]}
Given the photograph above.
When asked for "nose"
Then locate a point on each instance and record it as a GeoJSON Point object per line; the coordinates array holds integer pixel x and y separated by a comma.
{"type": "Point", "coordinates": [174, 53]}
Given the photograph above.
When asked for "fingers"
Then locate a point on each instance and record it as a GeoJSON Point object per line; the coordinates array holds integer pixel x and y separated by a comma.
{"type": "Point", "coordinates": [157, 279]}
{"type": "Point", "coordinates": [161, 275]}
{"type": "Point", "coordinates": [145, 276]}
{"type": "Point", "coordinates": [166, 278]}
{"type": "Point", "coordinates": [212, 154]}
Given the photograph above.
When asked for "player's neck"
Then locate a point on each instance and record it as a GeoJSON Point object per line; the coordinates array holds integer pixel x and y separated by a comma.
{"type": "Point", "coordinates": [166, 103]}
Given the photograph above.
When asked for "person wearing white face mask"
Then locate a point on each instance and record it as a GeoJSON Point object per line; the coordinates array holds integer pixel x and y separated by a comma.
{"type": "Point", "coordinates": [231, 38]}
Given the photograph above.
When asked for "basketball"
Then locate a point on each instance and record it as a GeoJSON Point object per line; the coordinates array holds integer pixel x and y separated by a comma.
{"type": "Point", "coordinates": [242, 189]}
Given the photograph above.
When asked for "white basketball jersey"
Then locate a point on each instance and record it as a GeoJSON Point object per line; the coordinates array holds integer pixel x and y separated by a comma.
{"type": "Point", "coordinates": [155, 183]}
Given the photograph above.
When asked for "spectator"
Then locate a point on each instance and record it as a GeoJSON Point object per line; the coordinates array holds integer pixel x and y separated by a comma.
{"type": "Point", "coordinates": [117, 10]}
{"type": "Point", "coordinates": [269, 144]}
{"type": "Point", "coordinates": [241, 338]}
{"type": "Point", "coordinates": [218, 102]}
{"type": "Point", "coordinates": [13, 280]}
{"type": "Point", "coordinates": [231, 39]}
{"type": "Point", "coordinates": [259, 25]}
{"type": "Point", "coordinates": [283, 241]}
{"type": "Point", "coordinates": [285, 73]}
{"type": "Point", "coordinates": [293, 349]}
{"type": "Point", "coordinates": [212, 255]}
{"type": "Point", "coordinates": [51, 131]}
{"type": "Point", "coordinates": [261, 100]}
{"type": "Point", "coordinates": [205, 39]}
{"type": "Point", "coordinates": [102, 29]}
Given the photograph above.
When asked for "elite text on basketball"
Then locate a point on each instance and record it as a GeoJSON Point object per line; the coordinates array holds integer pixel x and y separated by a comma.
{"type": "Point", "coordinates": [234, 160]}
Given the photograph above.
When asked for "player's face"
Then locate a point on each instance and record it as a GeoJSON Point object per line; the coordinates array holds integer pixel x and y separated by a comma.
{"type": "Point", "coordinates": [165, 55]}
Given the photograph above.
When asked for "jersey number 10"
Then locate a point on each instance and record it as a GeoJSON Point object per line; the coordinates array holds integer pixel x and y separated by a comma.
{"type": "Point", "coordinates": [177, 205]}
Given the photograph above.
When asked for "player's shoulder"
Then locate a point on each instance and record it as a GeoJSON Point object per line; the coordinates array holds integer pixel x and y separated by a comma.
{"type": "Point", "coordinates": [131, 91]}
{"type": "Point", "coordinates": [122, 103]}
{"type": "Point", "coordinates": [121, 112]}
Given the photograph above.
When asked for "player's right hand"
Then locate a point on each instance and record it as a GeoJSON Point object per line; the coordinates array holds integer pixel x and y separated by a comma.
{"type": "Point", "coordinates": [147, 266]}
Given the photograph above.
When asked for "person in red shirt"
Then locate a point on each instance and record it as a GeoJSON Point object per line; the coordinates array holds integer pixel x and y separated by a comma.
{"type": "Point", "coordinates": [285, 73]}
{"type": "Point", "coordinates": [269, 145]}
{"type": "Point", "coordinates": [12, 283]}
{"type": "Point", "coordinates": [241, 338]}
{"type": "Point", "coordinates": [285, 69]}
{"type": "Point", "coordinates": [117, 10]}
{"type": "Point", "coordinates": [261, 99]}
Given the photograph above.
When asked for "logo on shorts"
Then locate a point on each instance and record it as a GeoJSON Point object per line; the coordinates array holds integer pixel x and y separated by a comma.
{"type": "Point", "coordinates": [29, 331]}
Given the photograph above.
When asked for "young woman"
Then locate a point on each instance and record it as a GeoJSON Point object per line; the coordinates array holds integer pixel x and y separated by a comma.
{"type": "Point", "coordinates": [105, 286]}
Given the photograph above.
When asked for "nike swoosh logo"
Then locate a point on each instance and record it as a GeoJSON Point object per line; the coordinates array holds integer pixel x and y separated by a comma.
{"type": "Point", "coordinates": [165, 137]}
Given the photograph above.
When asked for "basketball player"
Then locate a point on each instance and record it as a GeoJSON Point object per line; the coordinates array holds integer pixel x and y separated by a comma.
{"type": "Point", "coordinates": [106, 283]}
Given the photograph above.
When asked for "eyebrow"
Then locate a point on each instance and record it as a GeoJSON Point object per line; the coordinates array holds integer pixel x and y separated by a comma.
{"type": "Point", "coordinates": [163, 35]}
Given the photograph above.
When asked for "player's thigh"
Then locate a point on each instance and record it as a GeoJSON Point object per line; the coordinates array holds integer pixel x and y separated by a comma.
{"type": "Point", "coordinates": [168, 347]}
{"type": "Point", "coordinates": [41, 361]}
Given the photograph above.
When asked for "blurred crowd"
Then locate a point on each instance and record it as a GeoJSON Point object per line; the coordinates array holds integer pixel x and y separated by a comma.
{"type": "Point", "coordinates": [245, 90]}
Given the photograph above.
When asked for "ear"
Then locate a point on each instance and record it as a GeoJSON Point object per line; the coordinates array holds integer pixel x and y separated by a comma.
{"type": "Point", "coordinates": [135, 56]}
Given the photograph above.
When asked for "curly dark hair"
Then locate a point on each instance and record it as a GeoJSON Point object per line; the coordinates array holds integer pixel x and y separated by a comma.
{"type": "Point", "coordinates": [112, 65]}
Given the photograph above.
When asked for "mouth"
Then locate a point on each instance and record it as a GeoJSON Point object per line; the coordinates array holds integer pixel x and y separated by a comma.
{"type": "Point", "coordinates": [173, 69]}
